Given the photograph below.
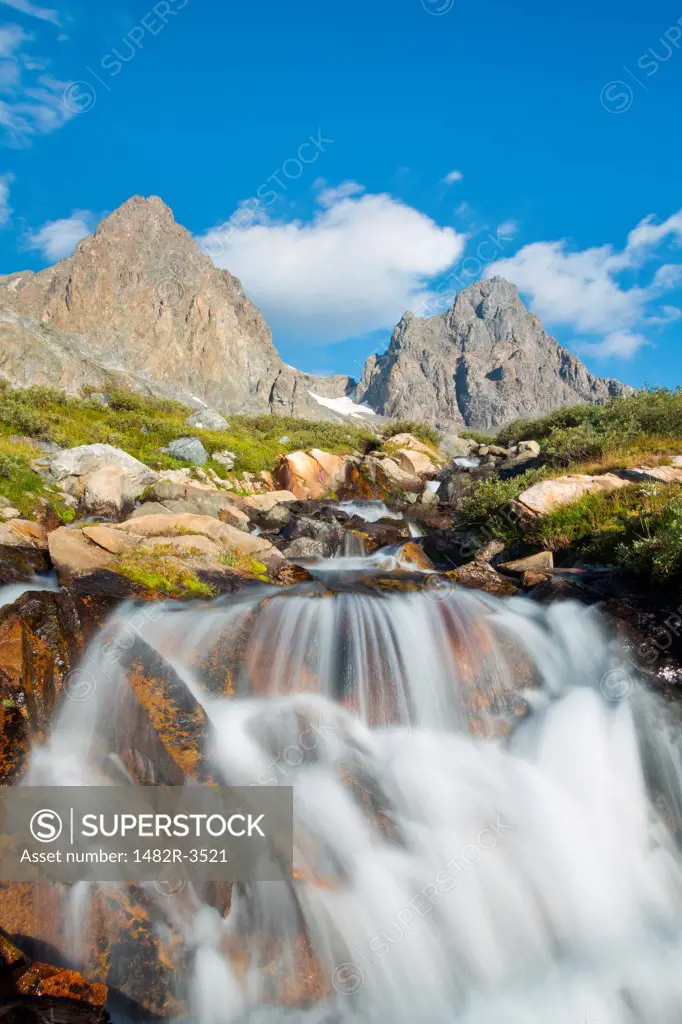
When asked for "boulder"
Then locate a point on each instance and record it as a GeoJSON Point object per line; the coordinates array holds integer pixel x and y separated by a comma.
{"type": "Point", "coordinates": [333, 467]}
{"type": "Point", "coordinates": [198, 499]}
{"type": "Point", "coordinates": [105, 479]}
{"type": "Point", "coordinates": [275, 518]}
{"type": "Point", "coordinates": [392, 479]}
{"type": "Point", "coordinates": [306, 547]}
{"type": "Point", "coordinates": [40, 642]}
{"type": "Point", "coordinates": [548, 494]}
{"type": "Point", "coordinates": [187, 449]}
{"type": "Point", "coordinates": [664, 474]}
{"type": "Point", "coordinates": [11, 513]}
{"type": "Point", "coordinates": [528, 447]}
{"type": "Point", "coordinates": [208, 419]}
{"type": "Point", "coordinates": [482, 576]}
{"type": "Point", "coordinates": [414, 462]}
{"type": "Point", "coordinates": [74, 555]}
{"type": "Point", "coordinates": [109, 539]}
{"type": "Point", "coordinates": [22, 533]}
{"type": "Point", "coordinates": [459, 447]}
{"type": "Point", "coordinates": [265, 502]}
{"type": "Point", "coordinates": [414, 444]}
{"type": "Point", "coordinates": [542, 561]}
{"type": "Point", "coordinates": [225, 458]}
{"type": "Point", "coordinates": [302, 474]}
{"type": "Point", "coordinates": [225, 535]}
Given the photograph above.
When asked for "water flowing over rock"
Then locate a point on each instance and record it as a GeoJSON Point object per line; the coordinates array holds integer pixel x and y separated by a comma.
{"type": "Point", "coordinates": [488, 807]}
{"type": "Point", "coordinates": [483, 363]}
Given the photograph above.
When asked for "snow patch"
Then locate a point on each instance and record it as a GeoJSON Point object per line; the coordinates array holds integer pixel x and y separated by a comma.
{"type": "Point", "coordinates": [345, 406]}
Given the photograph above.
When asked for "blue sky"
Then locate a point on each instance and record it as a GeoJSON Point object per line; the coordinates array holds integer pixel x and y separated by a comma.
{"type": "Point", "coordinates": [350, 160]}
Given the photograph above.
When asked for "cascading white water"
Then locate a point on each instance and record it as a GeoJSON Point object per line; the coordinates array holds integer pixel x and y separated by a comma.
{"type": "Point", "coordinates": [487, 805]}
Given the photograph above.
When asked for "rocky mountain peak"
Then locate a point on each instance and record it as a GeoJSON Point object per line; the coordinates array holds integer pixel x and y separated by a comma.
{"type": "Point", "coordinates": [140, 302]}
{"type": "Point", "coordinates": [482, 363]}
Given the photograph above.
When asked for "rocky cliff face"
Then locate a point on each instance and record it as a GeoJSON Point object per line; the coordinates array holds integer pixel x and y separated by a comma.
{"type": "Point", "coordinates": [482, 364]}
{"type": "Point", "coordinates": [140, 303]}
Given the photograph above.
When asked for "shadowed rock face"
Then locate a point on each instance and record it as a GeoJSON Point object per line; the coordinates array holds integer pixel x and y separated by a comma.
{"type": "Point", "coordinates": [139, 301]}
{"type": "Point", "coordinates": [483, 363]}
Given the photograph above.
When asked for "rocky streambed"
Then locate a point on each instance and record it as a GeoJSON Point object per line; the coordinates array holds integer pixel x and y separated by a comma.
{"type": "Point", "coordinates": [348, 578]}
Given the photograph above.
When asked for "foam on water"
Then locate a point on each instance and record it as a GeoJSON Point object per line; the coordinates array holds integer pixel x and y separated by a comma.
{"type": "Point", "coordinates": [486, 825]}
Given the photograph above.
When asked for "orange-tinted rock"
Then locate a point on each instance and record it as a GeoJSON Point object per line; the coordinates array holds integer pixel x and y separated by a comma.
{"type": "Point", "coordinates": [303, 475]}
{"type": "Point", "coordinates": [40, 642]}
{"type": "Point", "coordinates": [164, 727]}
{"type": "Point", "coordinates": [411, 556]}
{"type": "Point", "coordinates": [45, 980]}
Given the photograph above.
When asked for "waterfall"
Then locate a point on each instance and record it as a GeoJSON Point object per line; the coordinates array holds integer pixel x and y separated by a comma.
{"type": "Point", "coordinates": [487, 802]}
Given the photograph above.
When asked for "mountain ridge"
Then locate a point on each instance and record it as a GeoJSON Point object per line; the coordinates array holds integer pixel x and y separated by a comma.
{"type": "Point", "coordinates": [138, 303]}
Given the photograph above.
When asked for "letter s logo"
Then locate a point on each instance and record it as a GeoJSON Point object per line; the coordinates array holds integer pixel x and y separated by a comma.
{"type": "Point", "coordinates": [46, 826]}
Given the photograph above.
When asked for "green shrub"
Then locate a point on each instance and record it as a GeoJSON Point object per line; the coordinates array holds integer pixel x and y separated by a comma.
{"type": "Point", "coordinates": [565, 445]}
{"type": "Point", "coordinates": [636, 528]}
{"type": "Point", "coordinates": [479, 437]}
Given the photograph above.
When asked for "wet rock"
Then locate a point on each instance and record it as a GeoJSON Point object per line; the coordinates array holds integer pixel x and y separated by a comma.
{"type": "Point", "coordinates": [482, 576]}
{"type": "Point", "coordinates": [106, 480]}
{"type": "Point", "coordinates": [548, 494]}
{"type": "Point", "coordinates": [41, 640]}
{"type": "Point", "coordinates": [533, 578]}
{"type": "Point", "coordinates": [20, 564]}
{"type": "Point", "coordinates": [489, 550]}
{"type": "Point", "coordinates": [161, 730]}
{"type": "Point", "coordinates": [411, 556]}
{"type": "Point", "coordinates": [329, 534]}
{"type": "Point", "coordinates": [539, 562]}
{"type": "Point", "coordinates": [306, 547]}
{"type": "Point", "coordinates": [208, 419]}
{"type": "Point", "coordinates": [276, 518]}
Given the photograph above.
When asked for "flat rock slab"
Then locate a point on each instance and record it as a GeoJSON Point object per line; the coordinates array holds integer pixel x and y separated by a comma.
{"type": "Point", "coordinates": [542, 561]}
{"type": "Point", "coordinates": [562, 490]}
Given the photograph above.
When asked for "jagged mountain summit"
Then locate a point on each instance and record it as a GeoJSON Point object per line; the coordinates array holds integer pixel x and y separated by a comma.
{"type": "Point", "coordinates": [483, 363]}
{"type": "Point", "coordinates": [140, 303]}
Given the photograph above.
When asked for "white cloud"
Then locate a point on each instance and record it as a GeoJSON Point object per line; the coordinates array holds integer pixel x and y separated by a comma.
{"type": "Point", "coordinates": [58, 238]}
{"type": "Point", "coordinates": [452, 178]}
{"type": "Point", "coordinates": [31, 101]}
{"type": "Point", "coordinates": [33, 10]}
{"type": "Point", "coordinates": [355, 267]}
{"type": "Point", "coordinates": [622, 344]}
{"type": "Point", "coordinates": [584, 290]}
{"type": "Point", "coordinates": [508, 228]}
{"type": "Point", "coordinates": [5, 208]}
